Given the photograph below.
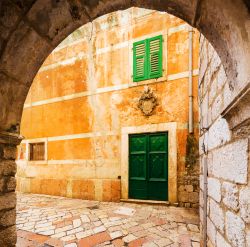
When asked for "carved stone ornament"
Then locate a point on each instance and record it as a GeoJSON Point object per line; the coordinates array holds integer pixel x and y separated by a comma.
{"type": "Point", "coordinates": [147, 101]}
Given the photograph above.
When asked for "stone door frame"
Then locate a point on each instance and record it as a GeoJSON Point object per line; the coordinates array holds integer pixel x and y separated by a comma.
{"type": "Point", "coordinates": [172, 155]}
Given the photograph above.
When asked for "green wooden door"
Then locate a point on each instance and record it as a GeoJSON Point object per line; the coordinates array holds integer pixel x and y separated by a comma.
{"type": "Point", "coordinates": [148, 166]}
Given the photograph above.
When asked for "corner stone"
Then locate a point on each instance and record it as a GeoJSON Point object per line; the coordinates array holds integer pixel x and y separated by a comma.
{"type": "Point", "coordinates": [230, 195]}
{"type": "Point", "coordinates": [245, 204]}
{"type": "Point", "coordinates": [235, 230]}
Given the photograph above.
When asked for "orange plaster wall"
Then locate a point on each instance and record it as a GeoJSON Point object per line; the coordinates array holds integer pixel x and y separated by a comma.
{"type": "Point", "coordinates": [89, 165]}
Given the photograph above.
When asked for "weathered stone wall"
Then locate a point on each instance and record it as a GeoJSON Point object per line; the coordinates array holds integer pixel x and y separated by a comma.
{"type": "Point", "coordinates": [188, 182]}
{"type": "Point", "coordinates": [8, 144]}
{"type": "Point", "coordinates": [225, 152]}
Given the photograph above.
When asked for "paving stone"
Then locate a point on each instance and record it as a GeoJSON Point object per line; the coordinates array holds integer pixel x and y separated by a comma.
{"type": "Point", "coordinates": [163, 242]}
{"type": "Point", "coordinates": [116, 234]}
{"type": "Point", "coordinates": [118, 243]}
{"type": "Point", "coordinates": [99, 229]}
{"type": "Point", "coordinates": [85, 218]}
{"type": "Point", "coordinates": [72, 221]}
{"type": "Point", "coordinates": [71, 245]}
{"type": "Point", "coordinates": [185, 241]}
{"type": "Point", "coordinates": [84, 234]}
{"type": "Point", "coordinates": [76, 230]}
{"type": "Point", "coordinates": [97, 223]}
{"type": "Point", "coordinates": [68, 238]}
{"type": "Point", "coordinates": [137, 242]}
{"type": "Point", "coordinates": [76, 223]}
{"type": "Point", "coordinates": [94, 239]}
{"type": "Point", "coordinates": [54, 242]}
{"type": "Point", "coordinates": [59, 235]}
{"type": "Point", "coordinates": [47, 233]}
{"type": "Point", "coordinates": [196, 244]}
{"type": "Point", "coordinates": [150, 244]}
{"type": "Point", "coordinates": [193, 228]}
{"type": "Point", "coordinates": [129, 238]}
{"type": "Point", "coordinates": [63, 229]}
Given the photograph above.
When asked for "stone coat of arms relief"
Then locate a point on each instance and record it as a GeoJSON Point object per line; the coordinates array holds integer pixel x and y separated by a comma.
{"type": "Point", "coordinates": [147, 101]}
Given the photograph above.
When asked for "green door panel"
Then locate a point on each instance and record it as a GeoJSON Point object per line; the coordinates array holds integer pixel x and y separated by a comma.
{"type": "Point", "coordinates": [137, 166]}
{"type": "Point", "coordinates": [148, 166]}
{"type": "Point", "coordinates": [157, 167]}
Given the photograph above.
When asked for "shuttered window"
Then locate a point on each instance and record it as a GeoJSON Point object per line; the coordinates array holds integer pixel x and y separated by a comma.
{"type": "Point", "coordinates": [37, 151]}
{"type": "Point", "coordinates": [147, 59]}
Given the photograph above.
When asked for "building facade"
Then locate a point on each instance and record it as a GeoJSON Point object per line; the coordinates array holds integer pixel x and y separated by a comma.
{"type": "Point", "coordinates": [107, 115]}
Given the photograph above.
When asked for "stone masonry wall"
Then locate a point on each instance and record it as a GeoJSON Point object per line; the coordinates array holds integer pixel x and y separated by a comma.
{"type": "Point", "coordinates": [188, 183]}
{"type": "Point", "coordinates": [226, 154]}
{"type": "Point", "coordinates": [8, 144]}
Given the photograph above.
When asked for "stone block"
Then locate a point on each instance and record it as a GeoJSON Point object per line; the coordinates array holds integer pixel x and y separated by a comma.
{"type": "Point", "coordinates": [183, 196]}
{"type": "Point", "coordinates": [10, 113]}
{"type": "Point", "coordinates": [216, 215]}
{"type": "Point", "coordinates": [218, 134]}
{"type": "Point", "coordinates": [201, 182]}
{"type": "Point", "coordinates": [9, 152]}
{"type": "Point", "coordinates": [189, 188]}
{"type": "Point", "coordinates": [211, 231]}
{"type": "Point", "coordinates": [8, 237]}
{"type": "Point", "coordinates": [56, 20]}
{"type": "Point", "coordinates": [115, 190]}
{"type": "Point", "coordinates": [7, 184]}
{"type": "Point", "coordinates": [227, 95]}
{"type": "Point", "coordinates": [217, 107]}
{"type": "Point", "coordinates": [248, 237]}
{"type": "Point", "coordinates": [8, 218]}
{"type": "Point", "coordinates": [106, 194]}
{"type": "Point", "coordinates": [230, 162]}
{"type": "Point", "coordinates": [2, 184]}
{"type": "Point", "coordinates": [193, 197]}
{"type": "Point", "coordinates": [244, 203]}
{"type": "Point", "coordinates": [9, 15]}
{"type": "Point", "coordinates": [181, 188]}
{"type": "Point", "coordinates": [11, 184]}
{"type": "Point", "coordinates": [7, 168]}
{"type": "Point", "coordinates": [195, 205]}
{"type": "Point", "coordinates": [201, 215]}
{"type": "Point", "coordinates": [220, 241]}
{"type": "Point", "coordinates": [8, 201]}
{"type": "Point", "coordinates": [23, 5]}
{"type": "Point", "coordinates": [201, 201]}
{"type": "Point", "coordinates": [235, 230]}
{"type": "Point", "coordinates": [213, 90]}
{"type": "Point", "coordinates": [203, 110]}
{"type": "Point", "coordinates": [28, 46]}
{"type": "Point", "coordinates": [215, 60]}
{"type": "Point", "coordinates": [230, 195]}
{"type": "Point", "coordinates": [56, 187]}
{"type": "Point", "coordinates": [214, 189]}
{"type": "Point", "coordinates": [221, 78]}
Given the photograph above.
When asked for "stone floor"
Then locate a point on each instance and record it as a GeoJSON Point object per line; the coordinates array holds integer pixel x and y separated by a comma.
{"type": "Point", "coordinates": [56, 221]}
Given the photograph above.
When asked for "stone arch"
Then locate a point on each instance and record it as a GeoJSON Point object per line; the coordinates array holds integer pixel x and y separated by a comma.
{"type": "Point", "coordinates": [31, 29]}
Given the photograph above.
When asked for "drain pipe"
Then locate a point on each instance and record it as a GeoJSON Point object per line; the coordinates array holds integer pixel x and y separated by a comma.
{"type": "Point", "coordinates": [204, 197]}
{"type": "Point", "coordinates": [190, 82]}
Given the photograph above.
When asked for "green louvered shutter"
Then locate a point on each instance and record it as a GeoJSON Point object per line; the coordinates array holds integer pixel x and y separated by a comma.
{"type": "Point", "coordinates": [155, 57]}
{"type": "Point", "coordinates": [140, 61]}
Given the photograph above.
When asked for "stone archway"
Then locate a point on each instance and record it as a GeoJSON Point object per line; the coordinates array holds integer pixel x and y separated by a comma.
{"type": "Point", "coordinates": [31, 29]}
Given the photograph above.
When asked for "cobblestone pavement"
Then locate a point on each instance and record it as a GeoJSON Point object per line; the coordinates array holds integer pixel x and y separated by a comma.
{"type": "Point", "coordinates": [56, 221]}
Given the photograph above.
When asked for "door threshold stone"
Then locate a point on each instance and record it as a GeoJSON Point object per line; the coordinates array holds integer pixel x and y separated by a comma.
{"type": "Point", "coordinates": [151, 202]}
